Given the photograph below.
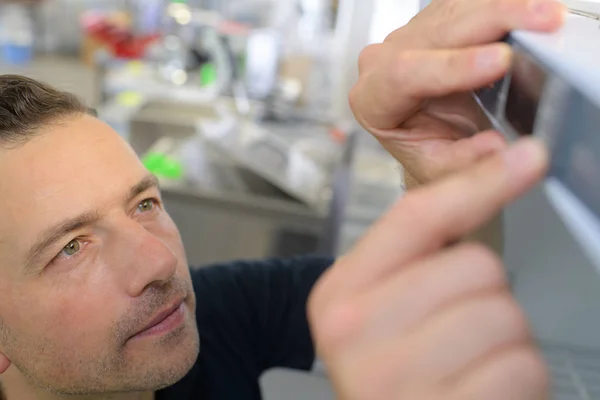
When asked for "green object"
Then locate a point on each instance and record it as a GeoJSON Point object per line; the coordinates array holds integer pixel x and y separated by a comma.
{"type": "Point", "coordinates": [179, 1]}
{"type": "Point", "coordinates": [172, 169]}
{"type": "Point", "coordinates": [163, 166]}
{"type": "Point", "coordinates": [208, 74]}
{"type": "Point", "coordinates": [153, 161]}
{"type": "Point", "coordinates": [129, 99]}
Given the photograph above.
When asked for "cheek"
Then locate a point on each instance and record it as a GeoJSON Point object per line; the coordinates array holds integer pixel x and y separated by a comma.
{"type": "Point", "coordinates": [63, 331]}
{"type": "Point", "coordinates": [66, 315]}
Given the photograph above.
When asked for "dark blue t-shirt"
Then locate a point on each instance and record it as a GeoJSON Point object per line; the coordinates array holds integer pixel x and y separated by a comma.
{"type": "Point", "coordinates": [251, 317]}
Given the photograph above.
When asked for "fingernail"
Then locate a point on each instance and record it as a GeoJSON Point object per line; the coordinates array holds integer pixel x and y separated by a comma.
{"type": "Point", "coordinates": [547, 9]}
{"type": "Point", "coordinates": [494, 57]}
{"type": "Point", "coordinates": [526, 154]}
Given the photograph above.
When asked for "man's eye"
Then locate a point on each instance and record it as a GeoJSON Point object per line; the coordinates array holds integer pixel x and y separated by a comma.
{"type": "Point", "coordinates": [72, 248]}
{"type": "Point", "coordinates": [146, 205]}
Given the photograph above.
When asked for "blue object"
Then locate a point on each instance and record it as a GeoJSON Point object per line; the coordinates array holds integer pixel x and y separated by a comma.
{"type": "Point", "coordinates": [19, 55]}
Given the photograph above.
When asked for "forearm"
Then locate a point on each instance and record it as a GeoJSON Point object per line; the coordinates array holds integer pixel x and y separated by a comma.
{"type": "Point", "coordinates": [491, 234]}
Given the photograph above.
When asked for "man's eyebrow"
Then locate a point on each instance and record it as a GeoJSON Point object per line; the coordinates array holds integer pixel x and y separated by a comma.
{"type": "Point", "coordinates": [148, 182]}
{"type": "Point", "coordinates": [57, 232]}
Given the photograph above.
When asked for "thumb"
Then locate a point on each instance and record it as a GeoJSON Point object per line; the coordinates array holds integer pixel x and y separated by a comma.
{"type": "Point", "coordinates": [465, 152]}
{"type": "Point", "coordinates": [429, 160]}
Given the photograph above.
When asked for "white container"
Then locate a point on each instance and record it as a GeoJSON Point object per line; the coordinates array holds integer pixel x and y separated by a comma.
{"type": "Point", "coordinates": [16, 34]}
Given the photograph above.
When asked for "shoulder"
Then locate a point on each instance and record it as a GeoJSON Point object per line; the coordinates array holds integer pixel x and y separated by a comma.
{"type": "Point", "coordinates": [272, 268]}
{"type": "Point", "coordinates": [255, 284]}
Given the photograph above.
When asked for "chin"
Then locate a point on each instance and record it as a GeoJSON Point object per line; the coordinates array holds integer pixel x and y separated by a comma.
{"type": "Point", "coordinates": [174, 360]}
{"type": "Point", "coordinates": [163, 368]}
{"type": "Point", "coordinates": [149, 378]}
{"type": "Point", "coordinates": [154, 370]}
{"type": "Point", "coordinates": [176, 365]}
{"type": "Point", "coordinates": [163, 360]}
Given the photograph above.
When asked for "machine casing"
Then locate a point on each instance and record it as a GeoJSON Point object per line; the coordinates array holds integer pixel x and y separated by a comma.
{"type": "Point", "coordinates": [552, 234]}
{"type": "Point", "coordinates": [553, 92]}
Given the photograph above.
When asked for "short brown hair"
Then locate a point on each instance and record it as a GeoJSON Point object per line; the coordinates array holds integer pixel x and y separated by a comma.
{"type": "Point", "coordinates": [26, 105]}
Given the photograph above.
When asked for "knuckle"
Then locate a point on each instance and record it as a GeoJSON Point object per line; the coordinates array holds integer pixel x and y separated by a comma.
{"type": "Point", "coordinates": [368, 56]}
{"type": "Point", "coordinates": [527, 365]}
{"type": "Point", "coordinates": [402, 34]}
{"type": "Point", "coordinates": [505, 14]}
{"type": "Point", "coordinates": [443, 24]}
{"type": "Point", "coordinates": [339, 324]}
{"type": "Point", "coordinates": [502, 8]}
{"type": "Point", "coordinates": [455, 69]}
{"type": "Point", "coordinates": [453, 8]}
{"type": "Point", "coordinates": [438, 36]}
{"type": "Point", "coordinates": [445, 71]}
{"type": "Point", "coordinates": [498, 317]}
{"type": "Point", "coordinates": [508, 316]}
{"type": "Point", "coordinates": [483, 261]}
{"type": "Point", "coordinates": [402, 67]}
{"type": "Point", "coordinates": [517, 372]}
{"type": "Point", "coordinates": [457, 62]}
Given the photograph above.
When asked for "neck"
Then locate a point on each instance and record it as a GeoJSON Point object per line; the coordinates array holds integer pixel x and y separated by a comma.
{"type": "Point", "coordinates": [14, 387]}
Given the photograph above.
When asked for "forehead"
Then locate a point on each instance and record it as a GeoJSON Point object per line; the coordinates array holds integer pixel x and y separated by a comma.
{"type": "Point", "coordinates": [72, 167]}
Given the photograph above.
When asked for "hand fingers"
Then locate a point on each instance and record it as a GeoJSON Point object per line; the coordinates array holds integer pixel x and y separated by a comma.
{"type": "Point", "coordinates": [465, 152]}
{"type": "Point", "coordinates": [462, 335]}
{"type": "Point", "coordinates": [517, 374]}
{"type": "Point", "coordinates": [460, 23]}
{"type": "Point", "coordinates": [432, 160]}
{"type": "Point", "coordinates": [428, 218]}
{"type": "Point", "coordinates": [435, 73]}
{"type": "Point", "coordinates": [446, 348]}
{"type": "Point", "coordinates": [461, 104]}
{"type": "Point", "coordinates": [407, 299]}
{"type": "Point", "coordinates": [389, 93]}
{"type": "Point", "coordinates": [478, 146]}
{"type": "Point", "coordinates": [404, 300]}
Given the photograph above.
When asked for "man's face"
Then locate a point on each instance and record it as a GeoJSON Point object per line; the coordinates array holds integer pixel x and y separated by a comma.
{"type": "Point", "coordinates": [89, 260]}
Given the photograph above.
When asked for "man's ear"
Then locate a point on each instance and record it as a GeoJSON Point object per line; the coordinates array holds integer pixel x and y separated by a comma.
{"type": "Point", "coordinates": [4, 363]}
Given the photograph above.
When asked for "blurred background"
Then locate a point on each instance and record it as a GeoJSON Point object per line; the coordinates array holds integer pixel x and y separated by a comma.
{"type": "Point", "coordinates": [238, 106]}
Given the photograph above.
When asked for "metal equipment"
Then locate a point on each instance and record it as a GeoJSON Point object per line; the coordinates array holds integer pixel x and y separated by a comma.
{"type": "Point", "coordinates": [252, 191]}
{"type": "Point", "coordinates": [270, 139]}
{"type": "Point", "coordinates": [552, 235]}
{"type": "Point", "coordinates": [550, 93]}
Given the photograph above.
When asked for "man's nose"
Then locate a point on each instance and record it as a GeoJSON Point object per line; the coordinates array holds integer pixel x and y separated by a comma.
{"type": "Point", "coordinates": [148, 261]}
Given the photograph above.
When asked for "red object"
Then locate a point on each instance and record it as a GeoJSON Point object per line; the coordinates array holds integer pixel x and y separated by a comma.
{"type": "Point", "coordinates": [338, 135]}
{"type": "Point", "coordinates": [120, 42]}
{"type": "Point", "coordinates": [132, 47]}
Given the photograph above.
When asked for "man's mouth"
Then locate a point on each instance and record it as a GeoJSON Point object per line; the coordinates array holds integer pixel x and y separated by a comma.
{"type": "Point", "coordinates": [165, 321]}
